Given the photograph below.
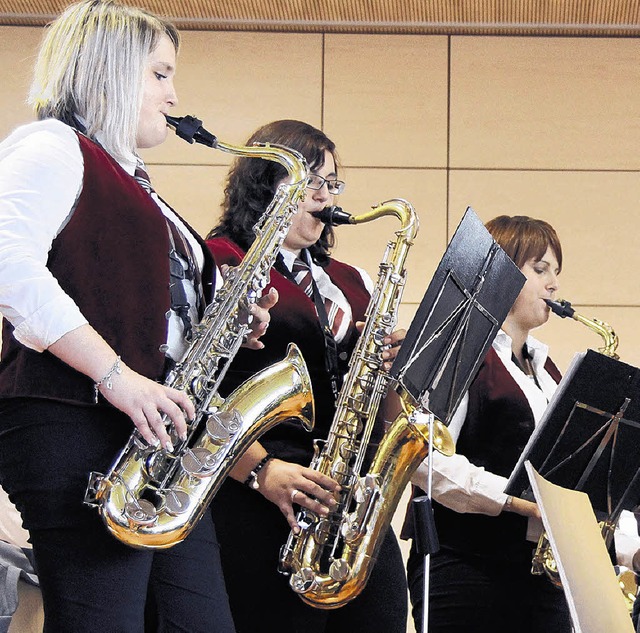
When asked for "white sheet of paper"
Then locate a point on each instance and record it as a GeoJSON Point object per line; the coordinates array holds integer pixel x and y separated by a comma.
{"type": "Point", "coordinates": [588, 578]}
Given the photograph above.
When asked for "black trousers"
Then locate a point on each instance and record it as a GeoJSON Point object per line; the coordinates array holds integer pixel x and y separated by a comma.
{"type": "Point", "coordinates": [91, 581]}
{"type": "Point", "coordinates": [472, 594]}
{"type": "Point", "coordinates": [251, 531]}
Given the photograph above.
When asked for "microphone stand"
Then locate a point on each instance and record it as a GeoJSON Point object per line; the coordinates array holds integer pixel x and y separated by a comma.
{"type": "Point", "coordinates": [426, 537]}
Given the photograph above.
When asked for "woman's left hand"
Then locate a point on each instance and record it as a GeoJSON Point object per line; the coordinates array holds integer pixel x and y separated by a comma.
{"type": "Point", "coordinates": [393, 341]}
{"type": "Point", "coordinates": [260, 314]}
{"type": "Point", "coordinates": [261, 317]}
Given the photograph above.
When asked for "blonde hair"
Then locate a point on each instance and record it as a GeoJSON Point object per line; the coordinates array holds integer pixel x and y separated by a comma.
{"type": "Point", "coordinates": [91, 64]}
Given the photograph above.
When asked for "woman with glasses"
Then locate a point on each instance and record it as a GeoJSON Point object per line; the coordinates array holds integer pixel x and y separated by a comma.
{"type": "Point", "coordinates": [320, 318]}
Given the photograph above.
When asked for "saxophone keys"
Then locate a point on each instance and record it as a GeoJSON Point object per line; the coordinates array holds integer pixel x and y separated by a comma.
{"type": "Point", "coordinates": [140, 513]}
{"type": "Point", "coordinates": [223, 425]}
{"type": "Point", "coordinates": [340, 570]}
{"type": "Point", "coordinates": [322, 531]}
{"type": "Point", "coordinates": [176, 502]}
{"type": "Point", "coordinates": [199, 462]}
{"type": "Point", "coordinates": [303, 580]}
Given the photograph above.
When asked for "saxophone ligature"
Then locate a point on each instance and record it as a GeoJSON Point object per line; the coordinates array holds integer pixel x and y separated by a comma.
{"type": "Point", "coordinates": [543, 562]}
{"type": "Point", "coordinates": [151, 498]}
{"type": "Point", "coordinates": [329, 561]}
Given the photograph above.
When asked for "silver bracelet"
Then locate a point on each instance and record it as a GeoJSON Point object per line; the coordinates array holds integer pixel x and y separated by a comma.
{"type": "Point", "coordinates": [107, 379]}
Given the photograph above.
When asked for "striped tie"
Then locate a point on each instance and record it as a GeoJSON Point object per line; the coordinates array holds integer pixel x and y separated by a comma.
{"type": "Point", "coordinates": [302, 275]}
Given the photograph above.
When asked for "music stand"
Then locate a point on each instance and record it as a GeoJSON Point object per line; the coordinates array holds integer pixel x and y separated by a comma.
{"type": "Point", "coordinates": [589, 435]}
{"type": "Point", "coordinates": [469, 296]}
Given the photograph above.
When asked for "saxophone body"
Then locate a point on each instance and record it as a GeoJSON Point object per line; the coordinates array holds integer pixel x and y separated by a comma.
{"type": "Point", "coordinates": [543, 562]}
{"type": "Point", "coordinates": [151, 498]}
{"type": "Point", "coordinates": [329, 561]}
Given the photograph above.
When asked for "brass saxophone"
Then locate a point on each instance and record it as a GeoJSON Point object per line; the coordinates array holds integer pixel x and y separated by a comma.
{"type": "Point", "coordinates": [151, 498]}
{"type": "Point", "coordinates": [543, 561]}
{"type": "Point", "coordinates": [331, 558]}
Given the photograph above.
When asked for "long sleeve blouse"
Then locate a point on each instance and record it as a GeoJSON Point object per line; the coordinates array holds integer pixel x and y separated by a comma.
{"type": "Point", "coordinates": [41, 178]}
{"type": "Point", "coordinates": [461, 485]}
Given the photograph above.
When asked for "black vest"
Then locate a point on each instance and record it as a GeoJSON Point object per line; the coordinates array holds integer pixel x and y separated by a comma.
{"type": "Point", "coordinates": [498, 425]}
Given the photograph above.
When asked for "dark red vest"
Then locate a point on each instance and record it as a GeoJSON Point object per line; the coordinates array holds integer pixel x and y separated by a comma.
{"type": "Point", "coordinates": [294, 319]}
{"type": "Point", "coordinates": [112, 259]}
{"type": "Point", "coordinates": [498, 425]}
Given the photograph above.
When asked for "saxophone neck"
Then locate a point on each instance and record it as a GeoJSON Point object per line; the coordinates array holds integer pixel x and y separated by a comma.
{"type": "Point", "coordinates": [190, 129]}
{"type": "Point", "coordinates": [607, 333]}
{"type": "Point", "coordinates": [563, 309]}
{"type": "Point", "coordinates": [401, 209]}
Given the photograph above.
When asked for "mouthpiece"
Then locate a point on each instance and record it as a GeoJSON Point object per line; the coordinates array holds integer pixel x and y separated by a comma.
{"type": "Point", "coordinates": [334, 216]}
{"type": "Point", "coordinates": [190, 129]}
{"type": "Point", "coordinates": [561, 307]}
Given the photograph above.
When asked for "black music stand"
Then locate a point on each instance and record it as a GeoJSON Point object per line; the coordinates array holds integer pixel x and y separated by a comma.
{"type": "Point", "coordinates": [469, 296]}
{"type": "Point", "coordinates": [589, 435]}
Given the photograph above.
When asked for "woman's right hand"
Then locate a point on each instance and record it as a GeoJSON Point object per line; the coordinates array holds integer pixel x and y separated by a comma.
{"type": "Point", "coordinates": [287, 484]}
{"type": "Point", "coordinates": [524, 508]}
{"type": "Point", "coordinates": [142, 399]}
{"type": "Point", "coordinates": [145, 402]}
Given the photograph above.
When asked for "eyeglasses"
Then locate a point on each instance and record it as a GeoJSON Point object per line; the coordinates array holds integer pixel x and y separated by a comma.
{"type": "Point", "coordinates": [316, 182]}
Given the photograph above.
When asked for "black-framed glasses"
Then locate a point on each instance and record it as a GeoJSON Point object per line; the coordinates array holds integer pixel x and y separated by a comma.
{"type": "Point", "coordinates": [335, 186]}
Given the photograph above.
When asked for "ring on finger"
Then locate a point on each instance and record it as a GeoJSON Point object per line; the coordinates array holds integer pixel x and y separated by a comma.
{"type": "Point", "coordinates": [294, 492]}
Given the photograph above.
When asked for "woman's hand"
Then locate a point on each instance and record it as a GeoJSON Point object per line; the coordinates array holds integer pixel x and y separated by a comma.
{"type": "Point", "coordinates": [524, 508]}
{"type": "Point", "coordinates": [287, 484]}
{"type": "Point", "coordinates": [261, 317]}
{"type": "Point", "coordinates": [145, 402]}
{"type": "Point", "coordinates": [392, 343]}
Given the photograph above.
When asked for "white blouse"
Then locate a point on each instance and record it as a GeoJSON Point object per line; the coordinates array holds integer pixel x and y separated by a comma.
{"type": "Point", "coordinates": [41, 174]}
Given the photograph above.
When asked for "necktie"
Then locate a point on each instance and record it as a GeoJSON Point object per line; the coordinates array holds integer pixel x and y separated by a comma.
{"type": "Point", "coordinates": [302, 275]}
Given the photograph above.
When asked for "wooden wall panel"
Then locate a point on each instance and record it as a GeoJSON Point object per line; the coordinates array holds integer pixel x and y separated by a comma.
{"type": "Point", "coordinates": [18, 47]}
{"type": "Point", "coordinates": [386, 99]}
{"type": "Point", "coordinates": [595, 214]}
{"type": "Point", "coordinates": [195, 191]}
{"type": "Point", "coordinates": [236, 82]}
{"type": "Point", "coordinates": [546, 103]}
{"type": "Point", "coordinates": [364, 244]}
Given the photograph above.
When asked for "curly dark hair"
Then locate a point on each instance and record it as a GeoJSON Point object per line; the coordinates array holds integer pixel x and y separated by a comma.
{"type": "Point", "coordinates": [251, 184]}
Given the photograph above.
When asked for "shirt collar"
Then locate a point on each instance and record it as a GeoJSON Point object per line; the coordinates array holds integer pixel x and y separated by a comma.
{"type": "Point", "coordinates": [538, 350]}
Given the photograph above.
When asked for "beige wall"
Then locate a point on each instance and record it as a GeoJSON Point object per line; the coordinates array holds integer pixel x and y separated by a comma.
{"type": "Point", "coordinates": [541, 126]}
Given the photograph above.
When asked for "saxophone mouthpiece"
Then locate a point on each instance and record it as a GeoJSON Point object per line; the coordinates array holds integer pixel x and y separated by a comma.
{"type": "Point", "coordinates": [334, 216]}
{"type": "Point", "coordinates": [190, 129]}
{"type": "Point", "coordinates": [561, 307]}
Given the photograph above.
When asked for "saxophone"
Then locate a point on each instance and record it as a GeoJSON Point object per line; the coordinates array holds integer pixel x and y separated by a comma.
{"type": "Point", "coordinates": [330, 559]}
{"type": "Point", "coordinates": [543, 562]}
{"type": "Point", "coordinates": [153, 499]}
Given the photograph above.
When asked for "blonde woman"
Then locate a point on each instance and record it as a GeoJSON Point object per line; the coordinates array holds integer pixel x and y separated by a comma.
{"type": "Point", "coordinates": [94, 315]}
